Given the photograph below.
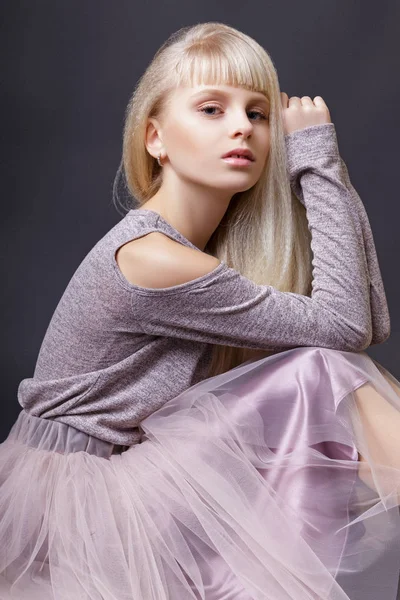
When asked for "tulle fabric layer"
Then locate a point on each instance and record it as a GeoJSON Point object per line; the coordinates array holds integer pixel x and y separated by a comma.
{"type": "Point", "coordinates": [245, 486]}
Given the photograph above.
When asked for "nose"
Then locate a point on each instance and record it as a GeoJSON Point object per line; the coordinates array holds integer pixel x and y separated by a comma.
{"type": "Point", "coordinates": [241, 124]}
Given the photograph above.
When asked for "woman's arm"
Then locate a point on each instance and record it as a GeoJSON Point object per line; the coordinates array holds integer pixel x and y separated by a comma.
{"type": "Point", "coordinates": [380, 318]}
{"type": "Point", "coordinates": [379, 307]}
{"type": "Point", "coordinates": [224, 307]}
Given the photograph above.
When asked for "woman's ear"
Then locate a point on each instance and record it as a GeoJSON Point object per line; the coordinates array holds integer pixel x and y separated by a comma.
{"type": "Point", "coordinates": [153, 140]}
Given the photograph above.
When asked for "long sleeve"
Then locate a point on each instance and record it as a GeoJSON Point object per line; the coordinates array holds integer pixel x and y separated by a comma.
{"type": "Point", "coordinates": [379, 307]}
{"type": "Point", "coordinates": [378, 303]}
{"type": "Point", "coordinates": [224, 307]}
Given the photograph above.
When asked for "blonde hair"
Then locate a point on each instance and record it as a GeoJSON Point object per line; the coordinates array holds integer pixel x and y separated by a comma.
{"type": "Point", "coordinates": [264, 233]}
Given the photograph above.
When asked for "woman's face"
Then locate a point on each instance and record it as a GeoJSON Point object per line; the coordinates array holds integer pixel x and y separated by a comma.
{"type": "Point", "coordinates": [202, 123]}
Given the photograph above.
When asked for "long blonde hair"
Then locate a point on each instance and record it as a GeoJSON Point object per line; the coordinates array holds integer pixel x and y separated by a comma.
{"type": "Point", "coordinates": [264, 233]}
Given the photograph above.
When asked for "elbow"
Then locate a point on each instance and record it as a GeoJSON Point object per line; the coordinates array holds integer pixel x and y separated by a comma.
{"type": "Point", "coordinates": [381, 336]}
{"type": "Point", "coordinates": [352, 339]}
{"type": "Point", "coordinates": [360, 340]}
{"type": "Point", "coordinates": [363, 345]}
{"type": "Point", "coordinates": [385, 334]}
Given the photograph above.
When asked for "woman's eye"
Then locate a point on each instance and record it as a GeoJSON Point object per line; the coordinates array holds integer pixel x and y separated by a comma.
{"type": "Point", "coordinates": [212, 107]}
{"type": "Point", "coordinates": [260, 114]}
{"type": "Point", "coordinates": [209, 107]}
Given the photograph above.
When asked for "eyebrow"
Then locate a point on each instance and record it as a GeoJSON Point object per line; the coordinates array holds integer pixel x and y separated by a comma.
{"type": "Point", "coordinates": [216, 91]}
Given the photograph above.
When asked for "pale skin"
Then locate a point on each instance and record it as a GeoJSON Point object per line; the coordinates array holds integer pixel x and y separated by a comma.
{"type": "Point", "coordinates": [198, 128]}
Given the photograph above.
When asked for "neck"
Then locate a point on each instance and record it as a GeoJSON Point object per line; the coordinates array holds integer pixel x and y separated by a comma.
{"type": "Point", "coordinates": [194, 212]}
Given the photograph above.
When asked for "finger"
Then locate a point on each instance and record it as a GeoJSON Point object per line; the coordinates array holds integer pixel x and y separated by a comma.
{"type": "Point", "coordinates": [294, 101]}
{"type": "Point", "coordinates": [306, 101]}
{"type": "Point", "coordinates": [284, 99]}
{"type": "Point", "coordinates": [319, 101]}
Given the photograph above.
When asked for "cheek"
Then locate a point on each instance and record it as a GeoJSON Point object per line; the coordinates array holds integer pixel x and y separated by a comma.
{"type": "Point", "coordinates": [187, 140]}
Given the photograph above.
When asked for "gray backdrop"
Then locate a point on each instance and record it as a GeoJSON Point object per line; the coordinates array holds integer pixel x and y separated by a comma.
{"type": "Point", "coordinates": [68, 70]}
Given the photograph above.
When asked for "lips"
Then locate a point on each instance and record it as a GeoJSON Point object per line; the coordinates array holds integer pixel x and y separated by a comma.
{"type": "Point", "coordinates": [241, 152]}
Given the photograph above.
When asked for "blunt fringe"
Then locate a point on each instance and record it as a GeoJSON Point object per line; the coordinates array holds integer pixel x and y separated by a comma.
{"type": "Point", "coordinates": [264, 232]}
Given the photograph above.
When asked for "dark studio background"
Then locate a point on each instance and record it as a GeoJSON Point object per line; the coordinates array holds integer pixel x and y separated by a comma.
{"type": "Point", "coordinates": [67, 74]}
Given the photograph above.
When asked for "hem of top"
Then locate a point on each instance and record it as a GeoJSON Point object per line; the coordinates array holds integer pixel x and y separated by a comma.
{"type": "Point", "coordinates": [318, 126]}
{"type": "Point", "coordinates": [91, 430]}
{"type": "Point", "coordinates": [300, 145]}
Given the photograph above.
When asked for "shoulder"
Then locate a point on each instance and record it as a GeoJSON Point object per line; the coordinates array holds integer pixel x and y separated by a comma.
{"type": "Point", "coordinates": [157, 261]}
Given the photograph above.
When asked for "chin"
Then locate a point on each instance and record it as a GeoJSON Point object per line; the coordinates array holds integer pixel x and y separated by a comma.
{"type": "Point", "coordinates": [246, 184]}
{"type": "Point", "coordinates": [242, 188]}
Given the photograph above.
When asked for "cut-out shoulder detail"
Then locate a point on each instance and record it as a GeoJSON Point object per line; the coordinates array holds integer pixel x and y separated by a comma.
{"type": "Point", "coordinates": [155, 261]}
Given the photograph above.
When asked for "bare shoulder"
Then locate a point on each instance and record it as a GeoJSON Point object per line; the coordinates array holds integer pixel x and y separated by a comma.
{"type": "Point", "coordinates": [157, 261]}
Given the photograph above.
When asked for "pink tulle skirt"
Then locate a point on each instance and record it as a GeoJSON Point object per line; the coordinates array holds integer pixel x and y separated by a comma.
{"type": "Point", "coordinates": [245, 486]}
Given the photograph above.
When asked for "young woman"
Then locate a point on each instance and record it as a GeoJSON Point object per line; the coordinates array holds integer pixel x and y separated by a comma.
{"type": "Point", "coordinates": [203, 421]}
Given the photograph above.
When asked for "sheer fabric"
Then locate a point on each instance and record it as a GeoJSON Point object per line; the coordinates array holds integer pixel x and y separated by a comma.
{"type": "Point", "coordinates": [245, 486]}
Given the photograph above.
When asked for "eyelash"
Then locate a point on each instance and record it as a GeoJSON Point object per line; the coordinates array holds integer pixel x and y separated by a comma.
{"type": "Point", "coordinates": [257, 112]}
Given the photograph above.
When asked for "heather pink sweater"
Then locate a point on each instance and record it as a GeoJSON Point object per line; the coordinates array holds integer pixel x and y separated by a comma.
{"type": "Point", "coordinates": [115, 352]}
